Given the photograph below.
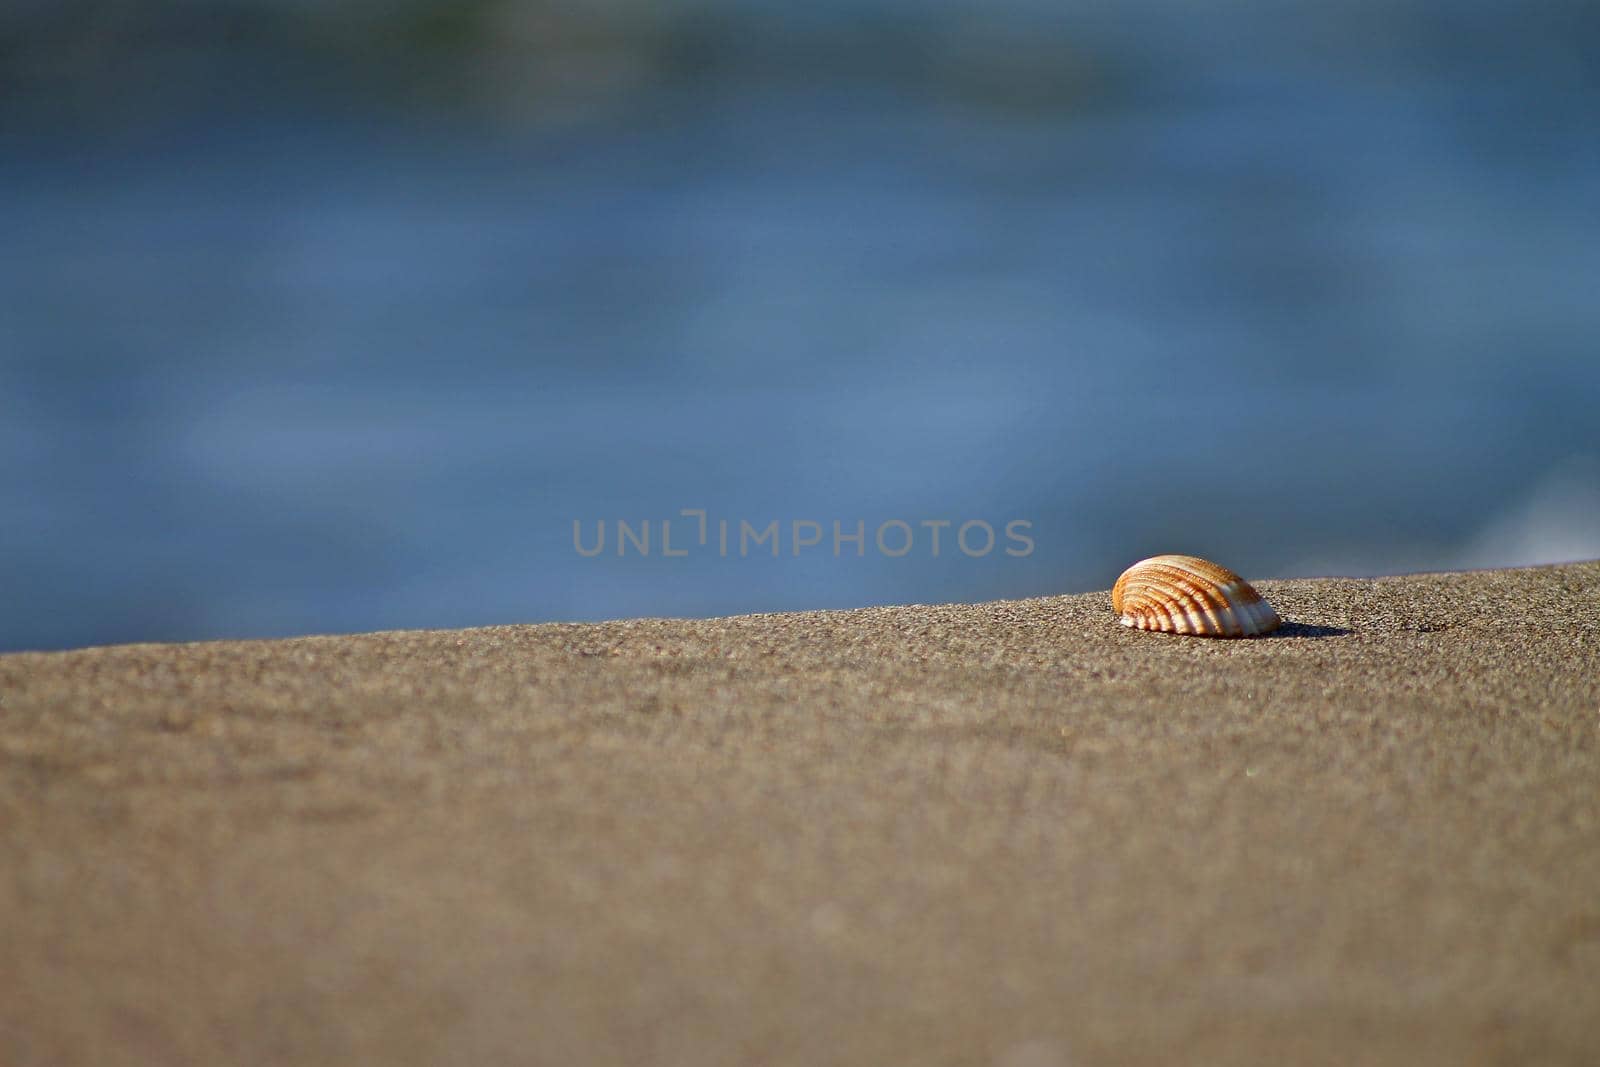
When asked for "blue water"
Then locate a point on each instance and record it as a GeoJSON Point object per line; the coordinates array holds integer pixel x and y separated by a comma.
{"type": "Point", "coordinates": [304, 374]}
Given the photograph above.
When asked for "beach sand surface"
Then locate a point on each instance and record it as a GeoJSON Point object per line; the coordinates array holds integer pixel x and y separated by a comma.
{"type": "Point", "coordinates": [1011, 833]}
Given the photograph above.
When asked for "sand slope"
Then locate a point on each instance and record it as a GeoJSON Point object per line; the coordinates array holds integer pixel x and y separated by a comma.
{"type": "Point", "coordinates": [1010, 833]}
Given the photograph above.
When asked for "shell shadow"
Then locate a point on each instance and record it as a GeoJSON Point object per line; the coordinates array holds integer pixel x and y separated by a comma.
{"type": "Point", "coordinates": [1306, 630]}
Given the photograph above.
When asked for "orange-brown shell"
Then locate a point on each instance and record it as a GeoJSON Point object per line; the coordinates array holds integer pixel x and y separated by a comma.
{"type": "Point", "coordinates": [1189, 595]}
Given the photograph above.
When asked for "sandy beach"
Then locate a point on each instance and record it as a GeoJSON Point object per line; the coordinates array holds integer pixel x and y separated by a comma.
{"type": "Point", "coordinates": [1012, 833]}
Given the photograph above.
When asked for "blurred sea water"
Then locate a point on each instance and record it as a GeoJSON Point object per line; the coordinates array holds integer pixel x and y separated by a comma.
{"type": "Point", "coordinates": [294, 368]}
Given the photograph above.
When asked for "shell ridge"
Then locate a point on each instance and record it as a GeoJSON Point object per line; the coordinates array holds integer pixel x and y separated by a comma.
{"type": "Point", "coordinates": [1236, 609]}
{"type": "Point", "coordinates": [1188, 595]}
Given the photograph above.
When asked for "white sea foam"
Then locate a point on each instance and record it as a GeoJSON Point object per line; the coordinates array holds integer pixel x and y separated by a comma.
{"type": "Point", "coordinates": [1557, 521]}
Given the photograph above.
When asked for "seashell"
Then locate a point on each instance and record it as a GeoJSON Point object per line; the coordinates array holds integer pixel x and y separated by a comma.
{"type": "Point", "coordinates": [1189, 595]}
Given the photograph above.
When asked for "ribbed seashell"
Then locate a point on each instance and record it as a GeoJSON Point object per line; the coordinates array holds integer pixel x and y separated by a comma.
{"type": "Point", "coordinates": [1189, 595]}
